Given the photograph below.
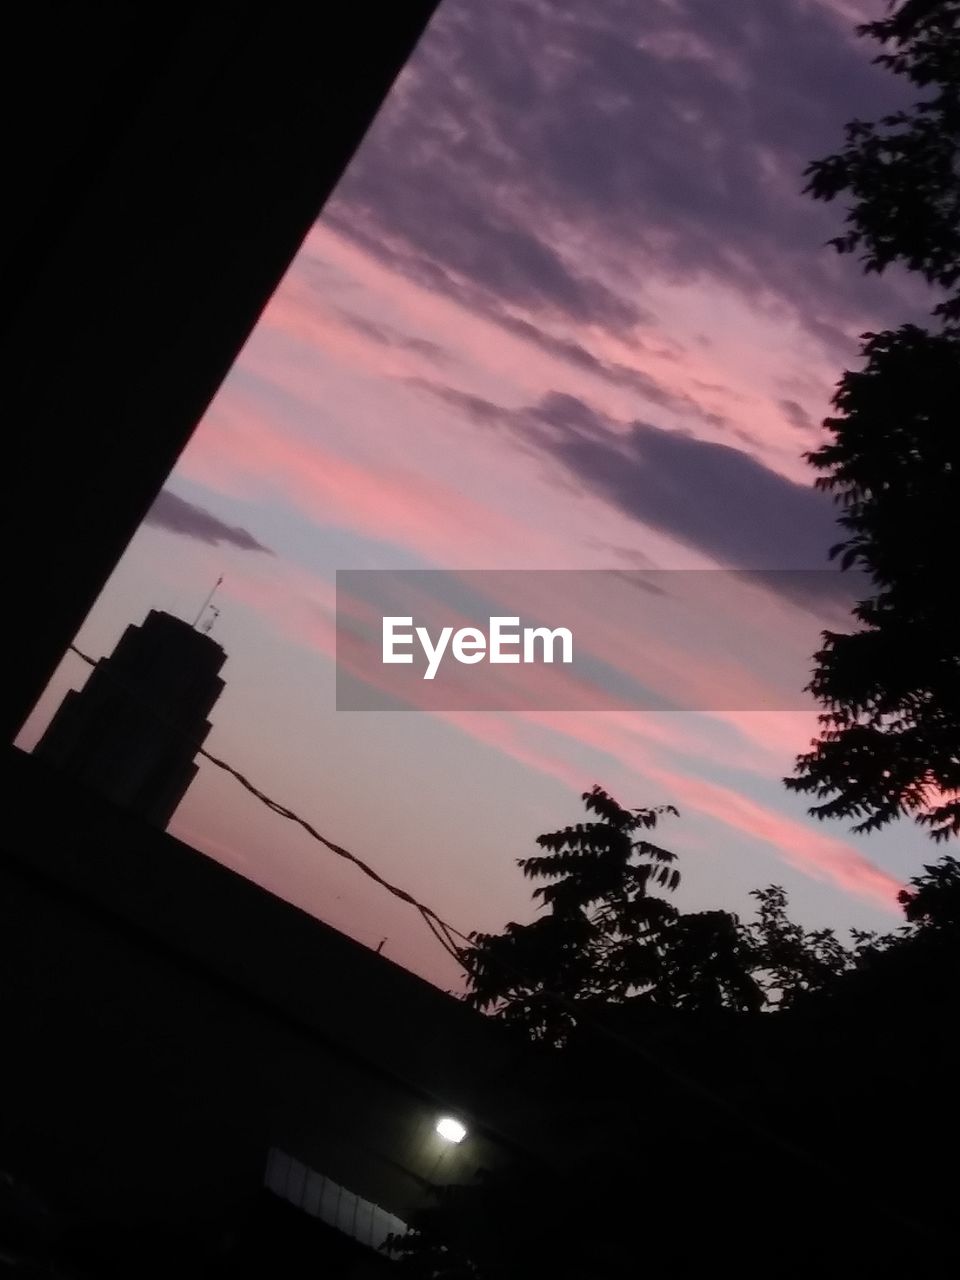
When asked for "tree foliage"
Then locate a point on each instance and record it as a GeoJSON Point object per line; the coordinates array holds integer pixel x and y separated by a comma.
{"type": "Point", "coordinates": [890, 735]}
{"type": "Point", "coordinates": [607, 939]}
{"type": "Point", "coordinates": [600, 936]}
{"type": "Point", "coordinates": [901, 173]}
{"type": "Point", "coordinates": [792, 963]}
{"type": "Point", "coordinates": [889, 741]}
{"type": "Point", "coordinates": [932, 900]}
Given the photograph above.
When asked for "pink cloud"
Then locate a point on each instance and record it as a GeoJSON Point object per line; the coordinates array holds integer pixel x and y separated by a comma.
{"type": "Point", "coordinates": [710, 379]}
{"type": "Point", "coordinates": [819, 856]}
{"type": "Point", "coordinates": [238, 451]}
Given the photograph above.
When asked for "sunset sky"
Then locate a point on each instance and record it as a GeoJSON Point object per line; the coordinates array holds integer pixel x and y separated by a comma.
{"type": "Point", "coordinates": [567, 309]}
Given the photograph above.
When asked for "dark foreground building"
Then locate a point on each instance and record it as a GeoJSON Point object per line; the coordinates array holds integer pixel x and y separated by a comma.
{"type": "Point", "coordinates": [198, 1079]}
{"type": "Point", "coordinates": [132, 732]}
{"type": "Point", "coordinates": [193, 1069]}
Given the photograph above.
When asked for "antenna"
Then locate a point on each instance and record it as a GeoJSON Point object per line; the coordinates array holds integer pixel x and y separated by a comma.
{"type": "Point", "coordinates": [203, 607]}
{"type": "Point", "coordinates": [211, 619]}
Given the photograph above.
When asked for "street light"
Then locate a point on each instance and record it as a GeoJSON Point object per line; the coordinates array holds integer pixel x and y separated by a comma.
{"type": "Point", "coordinates": [451, 1130]}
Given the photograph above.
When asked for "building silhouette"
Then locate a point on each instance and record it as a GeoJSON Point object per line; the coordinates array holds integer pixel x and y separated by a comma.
{"type": "Point", "coordinates": [132, 732]}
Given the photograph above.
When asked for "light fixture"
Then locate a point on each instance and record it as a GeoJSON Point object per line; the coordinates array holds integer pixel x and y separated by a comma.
{"type": "Point", "coordinates": [451, 1130]}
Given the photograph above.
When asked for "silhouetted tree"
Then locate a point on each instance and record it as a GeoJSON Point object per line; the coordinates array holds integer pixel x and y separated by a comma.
{"type": "Point", "coordinates": [901, 173]}
{"type": "Point", "coordinates": [932, 900]}
{"type": "Point", "coordinates": [607, 940]}
{"type": "Point", "coordinates": [792, 962]}
{"type": "Point", "coordinates": [707, 963]}
{"type": "Point", "coordinates": [889, 742]}
{"type": "Point", "coordinates": [599, 938]}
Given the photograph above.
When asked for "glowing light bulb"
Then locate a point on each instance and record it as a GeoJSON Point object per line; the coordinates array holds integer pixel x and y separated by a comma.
{"type": "Point", "coordinates": [451, 1130]}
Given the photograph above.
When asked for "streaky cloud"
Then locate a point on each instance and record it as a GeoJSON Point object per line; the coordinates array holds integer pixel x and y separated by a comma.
{"type": "Point", "coordinates": [177, 515]}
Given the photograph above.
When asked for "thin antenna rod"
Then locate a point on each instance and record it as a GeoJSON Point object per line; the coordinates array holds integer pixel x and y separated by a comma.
{"type": "Point", "coordinates": [204, 606]}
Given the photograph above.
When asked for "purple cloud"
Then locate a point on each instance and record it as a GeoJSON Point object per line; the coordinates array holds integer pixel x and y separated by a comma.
{"type": "Point", "coordinates": [672, 136]}
{"type": "Point", "coordinates": [179, 516]}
